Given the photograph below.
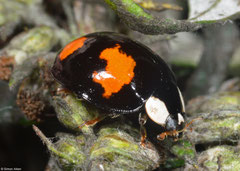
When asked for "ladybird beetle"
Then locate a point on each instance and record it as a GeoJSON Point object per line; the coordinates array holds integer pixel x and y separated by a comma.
{"type": "Point", "coordinates": [122, 76]}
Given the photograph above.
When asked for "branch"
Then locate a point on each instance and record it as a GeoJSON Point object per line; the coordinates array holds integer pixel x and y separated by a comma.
{"type": "Point", "coordinates": [137, 19]}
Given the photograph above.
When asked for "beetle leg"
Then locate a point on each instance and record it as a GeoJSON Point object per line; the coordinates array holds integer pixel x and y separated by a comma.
{"type": "Point", "coordinates": [142, 120]}
{"type": "Point", "coordinates": [143, 135]}
{"type": "Point", "coordinates": [92, 122]}
{"type": "Point", "coordinates": [61, 90]}
{"type": "Point", "coordinates": [162, 136]}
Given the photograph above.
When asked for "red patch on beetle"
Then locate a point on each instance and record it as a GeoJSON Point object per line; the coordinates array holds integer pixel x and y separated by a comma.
{"type": "Point", "coordinates": [118, 72]}
{"type": "Point", "coordinates": [71, 47]}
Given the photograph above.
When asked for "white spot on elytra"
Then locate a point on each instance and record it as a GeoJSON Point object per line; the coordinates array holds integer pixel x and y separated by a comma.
{"type": "Point", "coordinates": [157, 110]}
{"type": "Point", "coordinates": [182, 101]}
{"type": "Point", "coordinates": [180, 119]}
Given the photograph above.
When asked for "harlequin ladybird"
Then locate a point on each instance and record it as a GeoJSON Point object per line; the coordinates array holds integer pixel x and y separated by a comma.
{"type": "Point", "coordinates": [122, 76]}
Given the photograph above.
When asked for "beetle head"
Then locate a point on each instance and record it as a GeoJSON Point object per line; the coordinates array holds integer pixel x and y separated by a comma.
{"type": "Point", "coordinates": [174, 127]}
{"type": "Point", "coordinates": [158, 112]}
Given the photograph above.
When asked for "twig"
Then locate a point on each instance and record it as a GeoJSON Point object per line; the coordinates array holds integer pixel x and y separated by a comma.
{"type": "Point", "coordinates": [138, 19]}
{"type": "Point", "coordinates": [44, 139]}
{"type": "Point", "coordinates": [51, 146]}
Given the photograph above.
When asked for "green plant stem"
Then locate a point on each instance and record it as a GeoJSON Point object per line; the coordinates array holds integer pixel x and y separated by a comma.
{"type": "Point", "coordinates": [138, 19]}
{"type": "Point", "coordinates": [51, 146]}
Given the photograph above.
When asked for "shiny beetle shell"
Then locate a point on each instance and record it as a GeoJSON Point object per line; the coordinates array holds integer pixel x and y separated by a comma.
{"type": "Point", "coordinates": [121, 76]}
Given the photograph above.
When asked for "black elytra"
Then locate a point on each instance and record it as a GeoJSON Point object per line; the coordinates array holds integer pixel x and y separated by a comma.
{"type": "Point", "coordinates": [151, 75]}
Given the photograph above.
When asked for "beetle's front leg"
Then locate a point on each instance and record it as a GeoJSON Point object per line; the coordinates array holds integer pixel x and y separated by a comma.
{"type": "Point", "coordinates": [92, 122]}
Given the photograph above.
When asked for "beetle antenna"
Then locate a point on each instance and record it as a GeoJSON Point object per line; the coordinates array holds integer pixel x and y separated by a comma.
{"type": "Point", "coordinates": [188, 124]}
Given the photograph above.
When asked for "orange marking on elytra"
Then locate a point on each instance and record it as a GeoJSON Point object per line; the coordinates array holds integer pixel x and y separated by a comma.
{"type": "Point", "coordinates": [118, 72]}
{"type": "Point", "coordinates": [71, 47]}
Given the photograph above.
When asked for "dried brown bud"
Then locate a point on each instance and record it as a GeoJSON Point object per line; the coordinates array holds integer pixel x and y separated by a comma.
{"type": "Point", "coordinates": [6, 67]}
{"type": "Point", "coordinates": [31, 104]}
{"type": "Point", "coordinates": [48, 81]}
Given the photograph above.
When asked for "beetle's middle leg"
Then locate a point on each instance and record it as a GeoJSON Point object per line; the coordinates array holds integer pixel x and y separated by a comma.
{"type": "Point", "coordinates": [142, 120]}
